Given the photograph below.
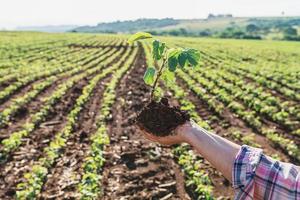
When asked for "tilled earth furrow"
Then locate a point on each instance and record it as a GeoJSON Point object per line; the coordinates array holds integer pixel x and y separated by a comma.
{"type": "Point", "coordinates": [136, 168]}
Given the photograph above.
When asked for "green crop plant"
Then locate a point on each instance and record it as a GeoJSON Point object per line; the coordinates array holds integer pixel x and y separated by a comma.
{"type": "Point", "coordinates": [167, 59]}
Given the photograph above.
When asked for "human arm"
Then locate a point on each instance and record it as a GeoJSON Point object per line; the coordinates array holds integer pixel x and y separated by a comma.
{"type": "Point", "coordinates": [219, 151]}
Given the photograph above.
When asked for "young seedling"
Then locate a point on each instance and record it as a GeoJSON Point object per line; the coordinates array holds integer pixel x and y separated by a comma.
{"type": "Point", "coordinates": [170, 59]}
{"type": "Point", "coordinates": [158, 117]}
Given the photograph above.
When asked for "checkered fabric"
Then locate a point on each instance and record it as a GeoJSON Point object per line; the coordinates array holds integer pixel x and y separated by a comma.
{"type": "Point", "coordinates": [257, 176]}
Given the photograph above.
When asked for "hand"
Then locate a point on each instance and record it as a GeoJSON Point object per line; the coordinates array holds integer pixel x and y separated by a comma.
{"type": "Point", "coordinates": [177, 137]}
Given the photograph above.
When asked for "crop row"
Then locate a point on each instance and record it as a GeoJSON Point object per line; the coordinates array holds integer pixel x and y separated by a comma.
{"type": "Point", "coordinates": [90, 185]}
{"type": "Point", "coordinates": [26, 58]}
{"type": "Point", "coordinates": [19, 102]}
{"type": "Point", "coordinates": [77, 59]}
{"type": "Point", "coordinates": [22, 81]}
{"type": "Point", "coordinates": [61, 56]}
{"type": "Point", "coordinates": [252, 63]}
{"type": "Point", "coordinates": [15, 139]}
{"type": "Point", "coordinates": [25, 68]}
{"type": "Point", "coordinates": [35, 178]}
{"type": "Point", "coordinates": [31, 65]}
{"type": "Point", "coordinates": [39, 59]}
{"type": "Point", "coordinates": [246, 70]}
{"type": "Point", "coordinates": [209, 88]}
{"type": "Point", "coordinates": [262, 67]}
{"type": "Point", "coordinates": [254, 98]}
{"type": "Point", "coordinates": [196, 177]}
{"type": "Point", "coordinates": [259, 92]}
{"type": "Point", "coordinates": [16, 50]}
{"type": "Point", "coordinates": [221, 59]}
{"type": "Point", "coordinates": [62, 61]}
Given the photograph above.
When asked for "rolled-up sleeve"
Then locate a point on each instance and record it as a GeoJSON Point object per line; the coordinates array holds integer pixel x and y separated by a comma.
{"type": "Point", "coordinates": [257, 176]}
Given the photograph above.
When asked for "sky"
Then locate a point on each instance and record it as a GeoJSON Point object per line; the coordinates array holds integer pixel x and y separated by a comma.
{"type": "Point", "coordinates": [15, 13]}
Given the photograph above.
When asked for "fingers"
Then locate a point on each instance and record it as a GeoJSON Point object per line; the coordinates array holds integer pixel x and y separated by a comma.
{"type": "Point", "coordinates": [166, 140]}
{"type": "Point", "coordinates": [150, 136]}
{"type": "Point", "coordinates": [153, 138]}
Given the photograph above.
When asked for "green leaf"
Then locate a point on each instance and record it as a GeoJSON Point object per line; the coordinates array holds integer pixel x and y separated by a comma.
{"type": "Point", "coordinates": [182, 58]}
{"type": "Point", "coordinates": [139, 36]}
{"type": "Point", "coordinates": [173, 59]}
{"type": "Point", "coordinates": [168, 77]}
{"type": "Point", "coordinates": [174, 52]}
{"type": "Point", "coordinates": [172, 63]}
{"type": "Point", "coordinates": [149, 75]}
{"type": "Point", "coordinates": [158, 49]}
{"type": "Point", "coordinates": [155, 50]}
{"type": "Point", "coordinates": [162, 48]}
{"type": "Point", "coordinates": [193, 56]}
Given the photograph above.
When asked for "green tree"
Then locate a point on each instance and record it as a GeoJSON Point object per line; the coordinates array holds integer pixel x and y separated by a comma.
{"type": "Point", "coordinates": [290, 31]}
{"type": "Point", "coordinates": [251, 28]}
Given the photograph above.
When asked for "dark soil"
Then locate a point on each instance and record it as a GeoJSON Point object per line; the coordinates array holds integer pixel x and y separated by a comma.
{"type": "Point", "coordinates": [62, 181]}
{"type": "Point", "coordinates": [63, 178]}
{"type": "Point", "coordinates": [160, 119]}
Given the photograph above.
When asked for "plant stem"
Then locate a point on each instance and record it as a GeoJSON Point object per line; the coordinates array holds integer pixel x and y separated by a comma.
{"type": "Point", "coordinates": [157, 77]}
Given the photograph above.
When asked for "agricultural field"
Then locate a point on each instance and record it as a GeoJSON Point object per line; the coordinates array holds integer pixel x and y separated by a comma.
{"type": "Point", "coordinates": [68, 104]}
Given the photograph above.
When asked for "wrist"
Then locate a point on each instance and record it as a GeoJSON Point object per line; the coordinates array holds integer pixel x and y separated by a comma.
{"type": "Point", "coordinates": [187, 131]}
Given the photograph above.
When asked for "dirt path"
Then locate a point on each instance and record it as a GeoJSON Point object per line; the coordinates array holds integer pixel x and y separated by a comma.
{"type": "Point", "coordinates": [65, 175]}
{"type": "Point", "coordinates": [136, 168]}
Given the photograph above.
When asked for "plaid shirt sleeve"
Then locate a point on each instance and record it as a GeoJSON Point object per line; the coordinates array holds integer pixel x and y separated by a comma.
{"type": "Point", "coordinates": [257, 176]}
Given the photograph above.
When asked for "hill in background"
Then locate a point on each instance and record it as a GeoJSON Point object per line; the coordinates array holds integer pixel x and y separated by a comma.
{"type": "Point", "coordinates": [128, 26]}
{"type": "Point", "coordinates": [220, 26]}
